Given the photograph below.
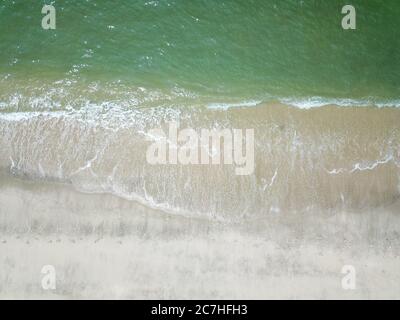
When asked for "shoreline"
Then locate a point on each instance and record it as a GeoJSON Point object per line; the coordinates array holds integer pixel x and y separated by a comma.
{"type": "Point", "coordinates": [166, 257]}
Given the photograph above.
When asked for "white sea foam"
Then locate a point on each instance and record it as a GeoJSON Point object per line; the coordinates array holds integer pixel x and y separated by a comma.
{"type": "Point", "coordinates": [226, 106]}
{"type": "Point", "coordinates": [315, 102]}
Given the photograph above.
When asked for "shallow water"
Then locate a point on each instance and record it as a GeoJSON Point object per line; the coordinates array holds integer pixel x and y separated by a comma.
{"type": "Point", "coordinates": [325, 158]}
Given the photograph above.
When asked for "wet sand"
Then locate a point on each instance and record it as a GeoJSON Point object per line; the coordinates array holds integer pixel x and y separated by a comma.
{"type": "Point", "coordinates": [102, 246]}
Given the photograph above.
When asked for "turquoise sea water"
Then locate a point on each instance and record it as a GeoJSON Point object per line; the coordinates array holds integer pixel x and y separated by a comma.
{"type": "Point", "coordinates": [222, 50]}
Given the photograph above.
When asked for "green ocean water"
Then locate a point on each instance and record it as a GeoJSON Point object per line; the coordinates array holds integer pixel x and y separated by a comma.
{"type": "Point", "coordinates": [235, 50]}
